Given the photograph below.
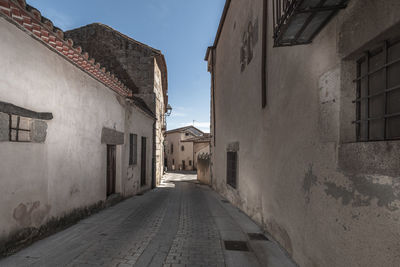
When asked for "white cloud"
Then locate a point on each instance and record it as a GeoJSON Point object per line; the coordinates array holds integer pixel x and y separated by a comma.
{"type": "Point", "coordinates": [178, 114]}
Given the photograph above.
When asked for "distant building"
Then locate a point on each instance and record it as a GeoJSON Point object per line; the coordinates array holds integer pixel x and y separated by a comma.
{"type": "Point", "coordinates": [306, 125]}
{"type": "Point", "coordinates": [183, 146]}
{"type": "Point", "coordinates": [139, 66]}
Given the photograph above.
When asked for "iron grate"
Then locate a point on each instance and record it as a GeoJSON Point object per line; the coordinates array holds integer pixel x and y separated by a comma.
{"type": "Point", "coordinates": [236, 245]}
{"type": "Point", "coordinates": [257, 236]}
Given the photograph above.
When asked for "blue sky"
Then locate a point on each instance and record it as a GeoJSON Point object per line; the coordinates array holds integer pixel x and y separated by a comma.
{"type": "Point", "coordinates": [181, 29]}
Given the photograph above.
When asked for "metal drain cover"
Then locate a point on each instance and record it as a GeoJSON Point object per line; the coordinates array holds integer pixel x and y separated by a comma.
{"type": "Point", "coordinates": [236, 245]}
{"type": "Point", "coordinates": [257, 236]}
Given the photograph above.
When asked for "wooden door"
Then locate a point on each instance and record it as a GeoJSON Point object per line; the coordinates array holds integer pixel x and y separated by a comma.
{"type": "Point", "coordinates": [143, 163]}
{"type": "Point", "coordinates": [111, 169]}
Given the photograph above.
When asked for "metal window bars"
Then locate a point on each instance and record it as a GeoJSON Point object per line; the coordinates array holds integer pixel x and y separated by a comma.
{"type": "Point", "coordinates": [297, 22]}
{"type": "Point", "coordinates": [378, 93]}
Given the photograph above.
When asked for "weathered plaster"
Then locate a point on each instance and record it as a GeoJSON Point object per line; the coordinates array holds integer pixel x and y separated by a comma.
{"type": "Point", "coordinates": [4, 127]}
{"type": "Point", "coordinates": [366, 190]}
{"type": "Point", "coordinates": [301, 175]}
{"type": "Point", "coordinates": [111, 137]}
{"type": "Point", "coordinates": [38, 131]}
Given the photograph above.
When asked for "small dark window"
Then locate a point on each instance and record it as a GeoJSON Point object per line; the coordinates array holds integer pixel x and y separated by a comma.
{"type": "Point", "coordinates": [132, 149]}
{"type": "Point", "coordinates": [190, 163]}
{"type": "Point", "coordinates": [20, 128]}
{"type": "Point", "coordinates": [172, 148]}
{"type": "Point", "coordinates": [183, 165]}
{"type": "Point", "coordinates": [186, 134]}
{"type": "Point", "coordinates": [173, 162]}
{"type": "Point", "coordinates": [183, 148]}
{"type": "Point", "coordinates": [231, 169]}
{"type": "Point", "coordinates": [378, 94]}
{"type": "Point", "coordinates": [143, 162]}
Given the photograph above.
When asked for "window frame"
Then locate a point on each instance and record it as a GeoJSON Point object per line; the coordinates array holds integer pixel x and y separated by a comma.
{"type": "Point", "coordinates": [17, 129]}
{"type": "Point", "coordinates": [232, 168]}
{"type": "Point", "coordinates": [363, 135]}
{"type": "Point", "coordinates": [132, 149]}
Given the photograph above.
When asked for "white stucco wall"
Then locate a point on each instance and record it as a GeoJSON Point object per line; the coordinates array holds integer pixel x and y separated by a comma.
{"type": "Point", "coordinates": [291, 157]}
{"type": "Point", "coordinates": [68, 171]}
{"type": "Point", "coordinates": [141, 124]}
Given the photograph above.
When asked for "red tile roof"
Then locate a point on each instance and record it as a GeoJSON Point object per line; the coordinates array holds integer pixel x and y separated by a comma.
{"type": "Point", "coordinates": [42, 29]}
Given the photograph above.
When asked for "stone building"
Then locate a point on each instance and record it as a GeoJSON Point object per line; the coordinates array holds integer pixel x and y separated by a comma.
{"type": "Point", "coordinates": [71, 134]}
{"type": "Point", "coordinates": [306, 125]}
{"type": "Point", "coordinates": [183, 146]}
{"type": "Point", "coordinates": [139, 67]}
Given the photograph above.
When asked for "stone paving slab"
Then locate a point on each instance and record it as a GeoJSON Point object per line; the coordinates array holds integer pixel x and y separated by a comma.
{"type": "Point", "coordinates": [181, 223]}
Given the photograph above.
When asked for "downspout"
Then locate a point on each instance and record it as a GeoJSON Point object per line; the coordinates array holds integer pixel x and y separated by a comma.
{"type": "Point", "coordinates": [264, 75]}
{"type": "Point", "coordinates": [153, 160]}
{"type": "Point", "coordinates": [213, 110]}
{"type": "Point", "coordinates": [213, 92]}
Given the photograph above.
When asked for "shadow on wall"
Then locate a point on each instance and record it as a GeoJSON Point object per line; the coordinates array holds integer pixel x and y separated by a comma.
{"type": "Point", "coordinates": [203, 168]}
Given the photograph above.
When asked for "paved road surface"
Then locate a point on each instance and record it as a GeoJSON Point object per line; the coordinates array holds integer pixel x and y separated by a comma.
{"type": "Point", "coordinates": [181, 223]}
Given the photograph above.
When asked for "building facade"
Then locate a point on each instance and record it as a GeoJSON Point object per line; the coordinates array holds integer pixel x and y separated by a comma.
{"type": "Point", "coordinates": [140, 67]}
{"type": "Point", "coordinates": [305, 137]}
{"type": "Point", "coordinates": [183, 146]}
{"type": "Point", "coordinates": [71, 134]}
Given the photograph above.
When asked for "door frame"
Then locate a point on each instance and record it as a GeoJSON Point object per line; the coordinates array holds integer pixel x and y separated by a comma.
{"type": "Point", "coordinates": [111, 178]}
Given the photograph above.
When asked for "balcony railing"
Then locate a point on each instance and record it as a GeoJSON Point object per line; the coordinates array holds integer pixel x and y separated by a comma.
{"type": "Point", "coordinates": [299, 21]}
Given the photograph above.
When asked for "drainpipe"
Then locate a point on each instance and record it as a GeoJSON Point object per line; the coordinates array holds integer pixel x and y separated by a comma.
{"type": "Point", "coordinates": [264, 75]}
{"type": "Point", "coordinates": [153, 160]}
{"type": "Point", "coordinates": [213, 109]}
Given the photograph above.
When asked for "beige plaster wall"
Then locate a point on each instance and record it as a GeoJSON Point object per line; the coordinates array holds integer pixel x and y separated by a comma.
{"type": "Point", "coordinates": [292, 175]}
{"type": "Point", "coordinates": [178, 155]}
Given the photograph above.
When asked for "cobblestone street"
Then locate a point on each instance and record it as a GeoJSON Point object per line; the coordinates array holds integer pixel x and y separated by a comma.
{"type": "Point", "coordinates": [181, 223]}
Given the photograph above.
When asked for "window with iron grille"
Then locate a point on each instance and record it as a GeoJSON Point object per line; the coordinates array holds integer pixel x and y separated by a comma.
{"type": "Point", "coordinates": [231, 169]}
{"type": "Point", "coordinates": [378, 93]}
{"type": "Point", "coordinates": [20, 128]}
{"type": "Point", "coordinates": [132, 149]}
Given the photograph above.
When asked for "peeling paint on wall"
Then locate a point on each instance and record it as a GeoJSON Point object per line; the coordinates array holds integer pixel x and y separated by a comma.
{"type": "Point", "coordinates": [249, 40]}
{"type": "Point", "coordinates": [309, 180]}
{"type": "Point", "coordinates": [30, 214]}
{"type": "Point", "coordinates": [362, 190]}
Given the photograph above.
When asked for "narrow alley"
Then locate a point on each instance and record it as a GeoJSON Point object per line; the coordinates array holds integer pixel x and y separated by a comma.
{"type": "Point", "coordinates": [181, 223]}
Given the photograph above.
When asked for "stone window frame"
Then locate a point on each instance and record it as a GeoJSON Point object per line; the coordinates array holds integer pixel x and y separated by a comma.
{"type": "Point", "coordinates": [232, 165]}
{"type": "Point", "coordinates": [373, 92]}
{"type": "Point", "coordinates": [366, 157]}
{"type": "Point", "coordinates": [17, 128]}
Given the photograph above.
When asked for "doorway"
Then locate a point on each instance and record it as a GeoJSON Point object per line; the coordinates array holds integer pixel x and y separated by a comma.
{"type": "Point", "coordinates": [111, 169]}
{"type": "Point", "coordinates": [143, 163]}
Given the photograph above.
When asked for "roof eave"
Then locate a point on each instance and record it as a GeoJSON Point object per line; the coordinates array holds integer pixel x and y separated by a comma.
{"type": "Point", "coordinates": [220, 27]}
